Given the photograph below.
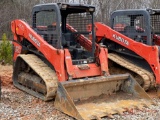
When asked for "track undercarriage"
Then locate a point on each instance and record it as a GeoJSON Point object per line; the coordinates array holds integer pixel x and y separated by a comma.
{"type": "Point", "coordinates": [35, 77]}
{"type": "Point", "coordinates": [145, 78]}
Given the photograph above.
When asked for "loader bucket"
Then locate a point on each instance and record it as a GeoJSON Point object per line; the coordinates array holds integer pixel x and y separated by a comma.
{"type": "Point", "coordinates": [98, 97]}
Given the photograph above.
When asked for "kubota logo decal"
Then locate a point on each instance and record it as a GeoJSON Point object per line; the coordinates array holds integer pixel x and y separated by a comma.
{"type": "Point", "coordinates": [34, 40]}
{"type": "Point", "coordinates": [120, 39]}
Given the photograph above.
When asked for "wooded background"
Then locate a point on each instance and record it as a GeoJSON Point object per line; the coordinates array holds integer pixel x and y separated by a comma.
{"type": "Point", "coordinates": [21, 9]}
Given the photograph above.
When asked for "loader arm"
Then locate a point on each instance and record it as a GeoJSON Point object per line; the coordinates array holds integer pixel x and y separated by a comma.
{"type": "Point", "coordinates": [22, 30]}
{"type": "Point", "coordinates": [149, 53]}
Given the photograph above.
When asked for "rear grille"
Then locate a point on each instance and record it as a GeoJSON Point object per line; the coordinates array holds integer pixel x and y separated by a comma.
{"type": "Point", "coordinates": [155, 22]}
{"type": "Point", "coordinates": [80, 22]}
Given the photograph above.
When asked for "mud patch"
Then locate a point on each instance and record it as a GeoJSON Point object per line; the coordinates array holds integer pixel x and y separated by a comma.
{"type": "Point", "coordinates": [6, 75]}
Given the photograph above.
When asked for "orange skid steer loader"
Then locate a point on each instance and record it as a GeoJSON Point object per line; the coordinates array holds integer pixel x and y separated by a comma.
{"type": "Point", "coordinates": [56, 60]}
{"type": "Point", "coordinates": [133, 43]}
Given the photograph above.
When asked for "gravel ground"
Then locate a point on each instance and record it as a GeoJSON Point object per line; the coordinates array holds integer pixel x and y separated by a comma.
{"type": "Point", "coordinates": [17, 105]}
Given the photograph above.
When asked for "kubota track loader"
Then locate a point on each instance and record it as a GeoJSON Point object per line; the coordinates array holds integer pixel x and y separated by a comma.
{"type": "Point", "coordinates": [55, 59]}
{"type": "Point", "coordinates": [133, 44]}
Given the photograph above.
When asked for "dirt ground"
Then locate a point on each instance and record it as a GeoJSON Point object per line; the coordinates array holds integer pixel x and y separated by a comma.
{"type": "Point", "coordinates": [6, 75]}
{"type": "Point", "coordinates": [18, 105]}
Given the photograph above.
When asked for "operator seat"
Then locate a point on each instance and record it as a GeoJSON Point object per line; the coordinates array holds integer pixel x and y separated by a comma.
{"type": "Point", "coordinates": [67, 40]}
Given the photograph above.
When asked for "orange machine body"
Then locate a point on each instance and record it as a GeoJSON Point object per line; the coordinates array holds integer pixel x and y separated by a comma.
{"type": "Point", "coordinates": [57, 57]}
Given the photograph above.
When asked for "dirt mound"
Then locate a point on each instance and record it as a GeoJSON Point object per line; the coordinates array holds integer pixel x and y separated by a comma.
{"type": "Point", "coordinates": [6, 74]}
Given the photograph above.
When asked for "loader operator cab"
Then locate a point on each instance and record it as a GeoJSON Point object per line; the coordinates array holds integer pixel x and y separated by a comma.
{"type": "Point", "coordinates": [61, 24]}
{"type": "Point", "coordinates": [141, 25]}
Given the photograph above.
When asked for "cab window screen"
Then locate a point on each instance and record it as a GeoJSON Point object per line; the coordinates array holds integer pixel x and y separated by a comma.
{"type": "Point", "coordinates": [45, 18]}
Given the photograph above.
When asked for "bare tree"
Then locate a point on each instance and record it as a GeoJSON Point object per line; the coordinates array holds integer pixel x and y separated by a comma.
{"type": "Point", "coordinates": [21, 9]}
{"type": "Point", "coordinates": [155, 4]}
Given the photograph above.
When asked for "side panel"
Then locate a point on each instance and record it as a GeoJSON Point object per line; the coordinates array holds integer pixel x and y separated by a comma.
{"type": "Point", "coordinates": [16, 50]}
